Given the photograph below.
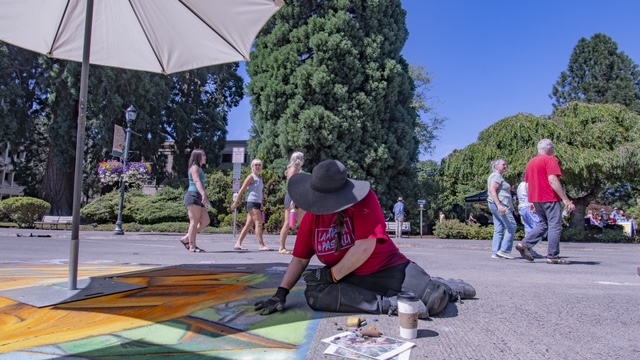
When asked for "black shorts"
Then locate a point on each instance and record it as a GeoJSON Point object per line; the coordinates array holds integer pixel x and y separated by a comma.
{"type": "Point", "coordinates": [253, 205]}
{"type": "Point", "coordinates": [193, 198]}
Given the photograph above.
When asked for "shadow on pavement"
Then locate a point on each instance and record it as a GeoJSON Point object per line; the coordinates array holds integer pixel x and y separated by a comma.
{"type": "Point", "coordinates": [584, 262]}
{"type": "Point", "coordinates": [424, 333]}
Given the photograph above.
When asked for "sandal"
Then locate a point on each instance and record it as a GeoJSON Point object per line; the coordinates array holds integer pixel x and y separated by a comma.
{"type": "Point", "coordinates": [558, 261]}
{"type": "Point", "coordinates": [186, 245]}
{"type": "Point", "coordinates": [285, 252]}
{"type": "Point", "coordinates": [197, 250]}
{"type": "Point", "coordinates": [241, 248]}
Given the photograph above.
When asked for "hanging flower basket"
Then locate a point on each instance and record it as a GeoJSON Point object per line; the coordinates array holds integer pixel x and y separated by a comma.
{"type": "Point", "coordinates": [136, 174]}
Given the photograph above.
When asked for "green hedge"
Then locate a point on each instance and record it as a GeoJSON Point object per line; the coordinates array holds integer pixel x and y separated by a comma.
{"type": "Point", "coordinates": [105, 208]}
{"type": "Point", "coordinates": [601, 236]}
{"type": "Point", "coordinates": [166, 206]}
{"type": "Point", "coordinates": [179, 228]}
{"type": "Point", "coordinates": [454, 229]}
{"type": "Point", "coordinates": [25, 210]}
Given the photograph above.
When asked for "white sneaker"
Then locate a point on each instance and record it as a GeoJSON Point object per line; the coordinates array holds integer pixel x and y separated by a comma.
{"type": "Point", "coordinates": [504, 255]}
{"type": "Point", "coordinates": [495, 256]}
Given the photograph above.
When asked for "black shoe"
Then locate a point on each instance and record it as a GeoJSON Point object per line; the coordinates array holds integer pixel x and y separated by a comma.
{"type": "Point", "coordinates": [557, 260]}
{"type": "Point", "coordinates": [524, 252]}
{"type": "Point", "coordinates": [460, 289]}
{"type": "Point", "coordinates": [535, 254]}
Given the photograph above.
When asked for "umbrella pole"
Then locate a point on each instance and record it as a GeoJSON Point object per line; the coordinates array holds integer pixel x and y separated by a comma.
{"type": "Point", "coordinates": [82, 120]}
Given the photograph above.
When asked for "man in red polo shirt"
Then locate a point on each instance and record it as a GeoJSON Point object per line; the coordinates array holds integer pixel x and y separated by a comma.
{"type": "Point", "coordinates": [546, 196]}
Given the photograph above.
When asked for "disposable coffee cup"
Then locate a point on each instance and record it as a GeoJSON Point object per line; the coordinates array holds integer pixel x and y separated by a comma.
{"type": "Point", "coordinates": [408, 314]}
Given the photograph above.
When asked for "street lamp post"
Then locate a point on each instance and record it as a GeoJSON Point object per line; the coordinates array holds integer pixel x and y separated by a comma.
{"type": "Point", "coordinates": [130, 114]}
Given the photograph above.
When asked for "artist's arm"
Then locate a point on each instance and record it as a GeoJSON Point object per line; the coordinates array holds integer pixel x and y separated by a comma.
{"type": "Point", "coordinates": [294, 271]}
{"type": "Point", "coordinates": [355, 256]}
{"type": "Point", "coordinates": [279, 299]}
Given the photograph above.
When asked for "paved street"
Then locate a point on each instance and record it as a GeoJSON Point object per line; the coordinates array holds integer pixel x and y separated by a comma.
{"type": "Point", "coordinates": [587, 310]}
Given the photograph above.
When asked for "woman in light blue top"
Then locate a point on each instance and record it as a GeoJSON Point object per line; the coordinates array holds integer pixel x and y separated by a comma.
{"type": "Point", "coordinates": [501, 206]}
{"type": "Point", "coordinates": [255, 187]}
{"type": "Point", "coordinates": [195, 200]}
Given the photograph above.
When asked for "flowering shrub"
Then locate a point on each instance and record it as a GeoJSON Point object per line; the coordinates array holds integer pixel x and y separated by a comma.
{"type": "Point", "coordinates": [136, 174]}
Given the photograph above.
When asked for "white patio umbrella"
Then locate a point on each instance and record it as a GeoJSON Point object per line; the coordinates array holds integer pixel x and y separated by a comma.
{"type": "Point", "coordinates": [163, 36]}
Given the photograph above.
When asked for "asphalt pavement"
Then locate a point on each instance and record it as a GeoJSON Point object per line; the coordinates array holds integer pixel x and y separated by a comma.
{"type": "Point", "coordinates": [523, 310]}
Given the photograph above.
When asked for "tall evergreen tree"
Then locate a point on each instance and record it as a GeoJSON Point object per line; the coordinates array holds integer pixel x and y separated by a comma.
{"type": "Point", "coordinates": [18, 70]}
{"type": "Point", "coordinates": [599, 74]}
{"type": "Point", "coordinates": [328, 79]}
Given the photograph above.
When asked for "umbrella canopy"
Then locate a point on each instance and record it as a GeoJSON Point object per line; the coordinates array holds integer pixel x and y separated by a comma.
{"type": "Point", "coordinates": [162, 36]}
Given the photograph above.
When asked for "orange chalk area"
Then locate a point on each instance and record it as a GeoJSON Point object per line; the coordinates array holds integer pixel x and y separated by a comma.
{"type": "Point", "coordinates": [171, 293]}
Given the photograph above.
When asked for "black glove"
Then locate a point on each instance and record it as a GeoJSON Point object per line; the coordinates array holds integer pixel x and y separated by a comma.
{"type": "Point", "coordinates": [276, 303]}
{"type": "Point", "coordinates": [318, 276]}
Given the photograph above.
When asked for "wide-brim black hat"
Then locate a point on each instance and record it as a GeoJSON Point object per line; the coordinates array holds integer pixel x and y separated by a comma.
{"type": "Point", "coordinates": [327, 189]}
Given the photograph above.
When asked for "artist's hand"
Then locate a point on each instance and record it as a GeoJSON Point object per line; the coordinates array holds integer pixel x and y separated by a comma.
{"type": "Point", "coordinates": [318, 276]}
{"type": "Point", "coordinates": [276, 303]}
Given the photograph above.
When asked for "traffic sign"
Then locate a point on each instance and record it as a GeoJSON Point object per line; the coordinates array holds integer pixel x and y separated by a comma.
{"type": "Point", "coordinates": [236, 185]}
{"type": "Point", "coordinates": [237, 169]}
{"type": "Point", "coordinates": [238, 155]}
{"type": "Point", "coordinates": [422, 201]}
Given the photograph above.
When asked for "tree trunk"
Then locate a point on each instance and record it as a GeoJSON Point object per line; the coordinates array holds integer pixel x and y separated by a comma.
{"type": "Point", "coordinates": [577, 216]}
{"type": "Point", "coordinates": [57, 186]}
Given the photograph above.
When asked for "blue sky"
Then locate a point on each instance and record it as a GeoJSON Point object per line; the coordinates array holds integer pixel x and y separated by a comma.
{"type": "Point", "coordinates": [495, 58]}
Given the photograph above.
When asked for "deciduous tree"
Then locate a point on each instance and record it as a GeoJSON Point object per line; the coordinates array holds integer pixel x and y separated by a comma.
{"type": "Point", "coordinates": [38, 113]}
{"type": "Point", "coordinates": [597, 145]}
{"type": "Point", "coordinates": [429, 121]}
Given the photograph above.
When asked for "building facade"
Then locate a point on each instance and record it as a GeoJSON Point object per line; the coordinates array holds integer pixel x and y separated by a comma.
{"type": "Point", "coordinates": [9, 186]}
{"type": "Point", "coordinates": [168, 149]}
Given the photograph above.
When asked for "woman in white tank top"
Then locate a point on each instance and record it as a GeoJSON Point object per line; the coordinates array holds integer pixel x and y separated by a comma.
{"type": "Point", "coordinates": [255, 186]}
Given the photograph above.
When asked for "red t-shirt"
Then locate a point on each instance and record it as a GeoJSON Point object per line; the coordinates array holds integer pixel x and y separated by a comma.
{"type": "Point", "coordinates": [537, 176]}
{"type": "Point", "coordinates": [364, 220]}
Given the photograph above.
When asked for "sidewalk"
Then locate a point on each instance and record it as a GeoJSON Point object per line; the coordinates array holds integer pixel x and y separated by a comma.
{"type": "Point", "coordinates": [199, 306]}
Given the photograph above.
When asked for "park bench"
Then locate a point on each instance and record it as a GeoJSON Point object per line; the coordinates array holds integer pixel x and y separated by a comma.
{"type": "Point", "coordinates": [54, 221]}
{"type": "Point", "coordinates": [391, 227]}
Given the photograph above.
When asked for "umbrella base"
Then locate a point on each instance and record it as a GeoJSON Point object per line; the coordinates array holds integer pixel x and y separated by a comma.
{"type": "Point", "coordinates": [49, 295]}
